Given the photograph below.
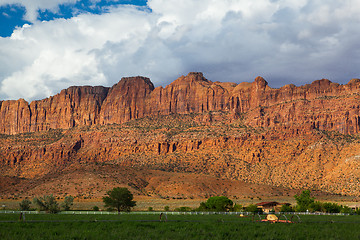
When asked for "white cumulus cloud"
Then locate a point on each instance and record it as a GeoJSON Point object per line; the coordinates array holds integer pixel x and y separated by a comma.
{"type": "Point", "coordinates": [231, 40]}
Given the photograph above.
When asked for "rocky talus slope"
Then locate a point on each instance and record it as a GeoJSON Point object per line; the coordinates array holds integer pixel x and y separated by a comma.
{"type": "Point", "coordinates": [289, 138]}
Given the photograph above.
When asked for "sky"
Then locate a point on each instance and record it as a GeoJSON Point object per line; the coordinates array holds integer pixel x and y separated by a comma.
{"type": "Point", "coordinates": [46, 46]}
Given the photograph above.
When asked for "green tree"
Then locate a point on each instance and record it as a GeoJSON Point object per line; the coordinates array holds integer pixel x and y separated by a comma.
{"type": "Point", "coordinates": [47, 203]}
{"type": "Point", "coordinates": [237, 207]}
{"type": "Point", "coordinates": [25, 205]}
{"type": "Point", "coordinates": [346, 209]}
{"type": "Point", "coordinates": [119, 198]}
{"type": "Point", "coordinates": [253, 208]}
{"type": "Point", "coordinates": [167, 208]}
{"type": "Point", "coordinates": [68, 202]}
{"type": "Point", "coordinates": [217, 203]}
{"type": "Point", "coordinates": [286, 208]}
{"type": "Point", "coordinates": [202, 207]}
{"type": "Point", "coordinates": [332, 207]}
{"type": "Point", "coordinates": [316, 206]}
{"type": "Point", "coordinates": [303, 201]}
{"type": "Point", "coordinates": [357, 211]}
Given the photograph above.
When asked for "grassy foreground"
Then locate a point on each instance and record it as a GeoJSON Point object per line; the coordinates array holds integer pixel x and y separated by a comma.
{"type": "Point", "coordinates": [142, 226]}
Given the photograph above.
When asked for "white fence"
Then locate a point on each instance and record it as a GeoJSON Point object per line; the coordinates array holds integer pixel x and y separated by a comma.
{"type": "Point", "coordinates": [168, 213]}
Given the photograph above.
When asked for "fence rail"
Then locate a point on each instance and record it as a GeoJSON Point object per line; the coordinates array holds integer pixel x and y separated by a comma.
{"type": "Point", "coordinates": [168, 213]}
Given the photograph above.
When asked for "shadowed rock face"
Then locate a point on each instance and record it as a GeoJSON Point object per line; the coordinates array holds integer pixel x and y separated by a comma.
{"type": "Point", "coordinates": [322, 104]}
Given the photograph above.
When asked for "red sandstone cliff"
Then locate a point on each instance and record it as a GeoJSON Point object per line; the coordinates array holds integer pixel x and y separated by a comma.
{"type": "Point", "coordinates": [75, 106]}
{"type": "Point", "coordinates": [176, 143]}
{"type": "Point", "coordinates": [295, 137]}
{"type": "Point", "coordinates": [322, 104]}
{"type": "Point", "coordinates": [126, 100]}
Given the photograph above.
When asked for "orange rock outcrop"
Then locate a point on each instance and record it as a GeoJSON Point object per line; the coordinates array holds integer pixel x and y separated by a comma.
{"type": "Point", "coordinates": [322, 104]}
{"type": "Point", "coordinates": [293, 137]}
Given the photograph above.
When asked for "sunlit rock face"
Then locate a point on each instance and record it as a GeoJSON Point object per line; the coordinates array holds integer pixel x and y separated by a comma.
{"type": "Point", "coordinates": [322, 104]}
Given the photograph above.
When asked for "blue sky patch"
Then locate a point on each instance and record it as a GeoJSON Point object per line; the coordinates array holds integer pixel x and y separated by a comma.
{"type": "Point", "coordinates": [12, 16]}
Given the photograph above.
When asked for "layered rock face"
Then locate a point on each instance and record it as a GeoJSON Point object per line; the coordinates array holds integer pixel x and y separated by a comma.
{"type": "Point", "coordinates": [183, 143]}
{"type": "Point", "coordinates": [126, 100]}
{"type": "Point", "coordinates": [321, 105]}
{"type": "Point", "coordinates": [293, 137]}
{"type": "Point", "coordinates": [75, 106]}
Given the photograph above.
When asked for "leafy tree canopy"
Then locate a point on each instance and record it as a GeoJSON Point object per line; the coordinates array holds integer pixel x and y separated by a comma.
{"type": "Point", "coordinates": [253, 208]}
{"type": "Point", "coordinates": [286, 208]}
{"type": "Point", "coordinates": [316, 206]}
{"type": "Point", "coordinates": [47, 203]}
{"type": "Point", "coordinates": [119, 198]}
{"type": "Point", "coordinates": [304, 200]}
{"type": "Point", "coordinates": [332, 207]}
{"type": "Point", "coordinates": [68, 202]}
{"type": "Point", "coordinates": [217, 203]}
{"type": "Point", "coordinates": [25, 205]}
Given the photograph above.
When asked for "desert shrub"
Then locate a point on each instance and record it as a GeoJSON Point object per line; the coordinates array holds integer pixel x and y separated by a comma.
{"type": "Point", "coordinates": [183, 209]}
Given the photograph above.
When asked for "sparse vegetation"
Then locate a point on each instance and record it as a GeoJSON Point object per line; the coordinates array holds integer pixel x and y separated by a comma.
{"type": "Point", "coordinates": [185, 127]}
{"type": "Point", "coordinates": [183, 209]}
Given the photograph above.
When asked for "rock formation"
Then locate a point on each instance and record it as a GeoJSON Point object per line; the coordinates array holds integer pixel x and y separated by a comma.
{"type": "Point", "coordinates": [293, 137]}
{"type": "Point", "coordinates": [322, 104]}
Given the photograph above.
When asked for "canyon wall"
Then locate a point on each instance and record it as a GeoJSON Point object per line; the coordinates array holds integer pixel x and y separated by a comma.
{"type": "Point", "coordinates": [292, 137]}
{"type": "Point", "coordinates": [320, 105]}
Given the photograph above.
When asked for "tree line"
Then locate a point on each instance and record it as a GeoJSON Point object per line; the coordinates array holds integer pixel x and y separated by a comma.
{"type": "Point", "coordinates": [47, 203]}
{"type": "Point", "coordinates": [121, 199]}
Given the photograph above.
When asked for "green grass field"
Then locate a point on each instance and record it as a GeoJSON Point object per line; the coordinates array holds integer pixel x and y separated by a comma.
{"type": "Point", "coordinates": [143, 226]}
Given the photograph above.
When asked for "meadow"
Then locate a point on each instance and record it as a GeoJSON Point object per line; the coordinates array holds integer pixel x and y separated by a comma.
{"type": "Point", "coordinates": [148, 226]}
